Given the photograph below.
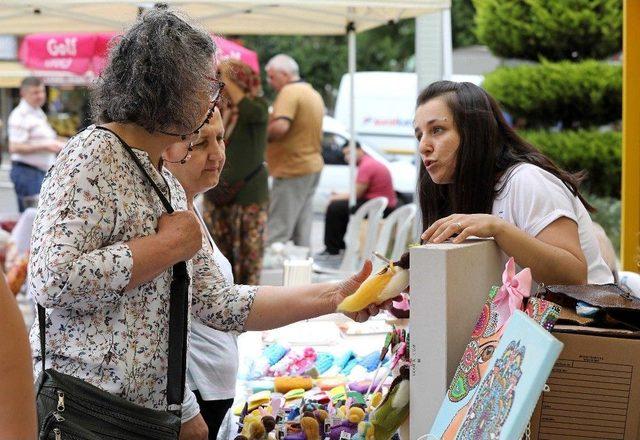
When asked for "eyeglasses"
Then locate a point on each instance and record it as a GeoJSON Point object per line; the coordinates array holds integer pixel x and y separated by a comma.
{"type": "Point", "coordinates": [215, 95]}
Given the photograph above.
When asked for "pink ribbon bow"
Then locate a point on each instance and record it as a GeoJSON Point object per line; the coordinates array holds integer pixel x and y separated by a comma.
{"type": "Point", "coordinates": [515, 287]}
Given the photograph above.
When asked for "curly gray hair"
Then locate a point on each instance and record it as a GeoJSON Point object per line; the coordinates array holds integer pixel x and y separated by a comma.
{"type": "Point", "coordinates": [156, 75]}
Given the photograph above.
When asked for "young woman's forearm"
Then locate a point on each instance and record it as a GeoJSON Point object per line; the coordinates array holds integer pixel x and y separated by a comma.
{"type": "Point", "coordinates": [549, 264]}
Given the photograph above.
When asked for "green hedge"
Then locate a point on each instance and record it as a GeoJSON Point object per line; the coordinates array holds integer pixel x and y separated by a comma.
{"type": "Point", "coordinates": [577, 94]}
{"type": "Point", "coordinates": [551, 29]}
{"type": "Point", "coordinates": [597, 152]}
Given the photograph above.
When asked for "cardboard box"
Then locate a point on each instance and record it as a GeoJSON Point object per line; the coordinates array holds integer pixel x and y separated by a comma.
{"type": "Point", "coordinates": [448, 291]}
{"type": "Point", "coordinates": [594, 387]}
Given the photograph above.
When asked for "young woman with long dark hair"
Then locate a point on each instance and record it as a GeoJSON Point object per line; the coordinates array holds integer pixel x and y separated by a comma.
{"type": "Point", "coordinates": [481, 179]}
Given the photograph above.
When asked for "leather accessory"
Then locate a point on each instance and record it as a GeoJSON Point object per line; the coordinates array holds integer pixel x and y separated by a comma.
{"type": "Point", "coordinates": [617, 307]}
{"type": "Point", "coordinates": [225, 194]}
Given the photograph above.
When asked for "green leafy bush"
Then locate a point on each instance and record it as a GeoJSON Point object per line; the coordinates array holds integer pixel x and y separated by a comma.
{"type": "Point", "coordinates": [576, 94]}
{"type": "Point", "coordinates": [462, 27]}
{"type": "Point", "coordinates": [551, 29]}
{"type": "Point", "coordinates": [597, 152]}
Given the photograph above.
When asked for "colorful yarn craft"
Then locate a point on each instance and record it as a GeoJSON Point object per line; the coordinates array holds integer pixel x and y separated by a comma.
{"type": "Point", "coordinates": [284, 384]}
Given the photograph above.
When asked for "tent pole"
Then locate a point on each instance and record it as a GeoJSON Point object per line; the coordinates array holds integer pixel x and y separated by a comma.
{"type": "Point", "coordinates": [351, 38]}
{"type": "Point", "coordinates": [630, 239]}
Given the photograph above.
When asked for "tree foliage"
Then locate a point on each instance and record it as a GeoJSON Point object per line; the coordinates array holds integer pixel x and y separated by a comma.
{"type": "Point", "coordinates": [462, 23]}
{"type": "Point", "coordinates": [575, 94]}
{"type": "Point", "coordinates": [322, 60]}
{"type": "Point", "coordinates": [597, 152]}
{"type": "Point", "coordinates": [551, 29]}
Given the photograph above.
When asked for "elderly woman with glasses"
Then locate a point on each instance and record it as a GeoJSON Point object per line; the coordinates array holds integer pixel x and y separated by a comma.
{"type": "Point", "coordinates": [103, 246]}
{"type": "Point", "coordinates": [213, 354]}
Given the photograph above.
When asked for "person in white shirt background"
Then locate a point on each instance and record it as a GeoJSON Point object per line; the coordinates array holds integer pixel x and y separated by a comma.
{"type": "Point", "coordinates": [481, 179]}
{"type": "Point", "coordinates": [33, 144]}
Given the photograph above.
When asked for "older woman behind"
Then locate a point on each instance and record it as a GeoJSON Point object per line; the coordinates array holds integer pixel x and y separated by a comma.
{"type": "Point", "coordinates": [213, 355]}
{"type": "Point", "coordinates": [239, 226]}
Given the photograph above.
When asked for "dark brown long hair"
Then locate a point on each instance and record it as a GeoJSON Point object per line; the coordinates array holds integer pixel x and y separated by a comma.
{"type": "Point", "coordinates": [488, 148]}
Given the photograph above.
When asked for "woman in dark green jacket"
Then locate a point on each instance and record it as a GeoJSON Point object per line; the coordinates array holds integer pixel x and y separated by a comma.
{"type": "Point", "coordinates": [238, 226]}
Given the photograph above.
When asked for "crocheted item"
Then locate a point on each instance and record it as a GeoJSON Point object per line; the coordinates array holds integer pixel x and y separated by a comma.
{"type": "Point", "coordinates": [274, 352]}
{"type": "Point", "coordinates": [370, 361]}
{"type": "Point", "coordinates": [324, 361]}
{"type": "Point", "coordinates": [294, 363]}
{"type": "Point", "coordinates": [350, 365]}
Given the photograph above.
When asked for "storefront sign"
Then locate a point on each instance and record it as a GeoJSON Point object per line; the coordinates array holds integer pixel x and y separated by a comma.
{"type": "Point", "coordinates": [87, 53]}
{"type": "Point", "coordinates": [74, 53]}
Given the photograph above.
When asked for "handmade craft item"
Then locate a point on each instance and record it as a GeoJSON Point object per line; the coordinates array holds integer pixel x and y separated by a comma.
{"type": "Point", "coordinates": [385, 284]}
{"type": "Point", "coordinates": [284, 384]}
{"type": "Point", "coordinates": [500, 306]}
{"type": "Point", "coordinates": [269, 357]}
{"type": "Point", "coordinates": [294, 362]}
{"type": "Point", "coordinates": [324, 361]}
{"type": "Point", "coordinates": [507, 395]}
{"type": "Point", "coordinates": [354, 415]}
{"type": "Point", "coordinates": [393, 410]}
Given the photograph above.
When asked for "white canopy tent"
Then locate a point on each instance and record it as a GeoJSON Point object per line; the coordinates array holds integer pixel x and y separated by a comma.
{"type": "Point", "coordinates": [277, 17]}
{"type": "Point", "coordinates": [282, 17]}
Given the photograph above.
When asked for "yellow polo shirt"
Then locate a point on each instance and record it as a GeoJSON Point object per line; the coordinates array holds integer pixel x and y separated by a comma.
{"type": "Point", "coordinates": [299, 151]}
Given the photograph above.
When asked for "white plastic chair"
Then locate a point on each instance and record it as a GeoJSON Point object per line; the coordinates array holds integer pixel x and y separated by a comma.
{"type": "Point", "coordinates": [373, 210]}
{"type": "Point", "coordinates": [400, 220]}
{"type": "Point", "coordinates": [21, 234]}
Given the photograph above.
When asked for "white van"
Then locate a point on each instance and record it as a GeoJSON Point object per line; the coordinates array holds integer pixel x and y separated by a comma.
{"type": "Point", "coordinates": [384, 109]}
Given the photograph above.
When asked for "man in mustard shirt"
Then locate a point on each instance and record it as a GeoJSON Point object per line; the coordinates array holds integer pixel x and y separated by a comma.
{"type": "Point", "coordinates": [294, 152]}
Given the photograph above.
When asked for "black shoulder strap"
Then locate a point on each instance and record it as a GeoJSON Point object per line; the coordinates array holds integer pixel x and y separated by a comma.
{"type": "Point", "coordinates": [178, 307]}
{"type": "Point", "coordinates": [178, 310]}
{"type": "Point", "coordinates": [253, 173]}
{"type": "Point", "coordinates": [41, 322]}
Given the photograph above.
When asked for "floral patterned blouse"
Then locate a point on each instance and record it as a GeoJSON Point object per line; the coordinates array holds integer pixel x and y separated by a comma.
{"type": "Point", "coordinates": [92, 202]}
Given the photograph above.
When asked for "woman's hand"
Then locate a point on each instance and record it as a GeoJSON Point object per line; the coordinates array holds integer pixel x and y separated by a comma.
{"type": "Point", "coordinates": [182, 229]}
{"type": "Point", "coordinates": [465, 225]}
{"type": "Point", "coordinates": [348, 286]}
{"type": "Point", "coordinates": [194, 429]}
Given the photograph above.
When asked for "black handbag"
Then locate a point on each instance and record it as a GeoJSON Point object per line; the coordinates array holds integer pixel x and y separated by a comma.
{"type": "Point", "coordinates": [70, 408]}
{"type": "Point", "coordinates": [225, 193]}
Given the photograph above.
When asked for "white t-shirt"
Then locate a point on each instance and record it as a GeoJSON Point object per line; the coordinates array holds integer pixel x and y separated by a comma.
{"type": "Point", "coordinates": [29, 125]}
{"type": "Point", "coordinates": [213, 355]}
{"type": "Point", "coordinates": [533, 198]}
